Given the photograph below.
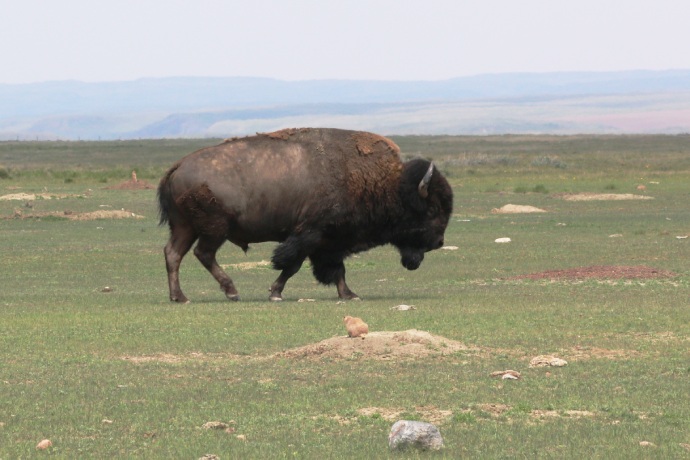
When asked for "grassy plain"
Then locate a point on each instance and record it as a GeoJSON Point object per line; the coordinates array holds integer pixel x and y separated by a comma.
{"type": "Point", "coordinates": [125, 373]}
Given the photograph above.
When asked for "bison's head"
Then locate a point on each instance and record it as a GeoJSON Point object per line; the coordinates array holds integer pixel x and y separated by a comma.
{"type": "Point", "coordinates": [427, 200]}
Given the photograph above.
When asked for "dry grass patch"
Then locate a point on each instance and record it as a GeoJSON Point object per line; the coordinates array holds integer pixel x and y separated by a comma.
{"type": "Point", "coordinates": [603, 197]}
{"type": "Point", "coordinates": [247, 265]}
{"type": "Point", "coordinates": [600, 272]}
{"type": "Point", "coordinates": [169, 358]}
{"type": "Point", "coordinates": [36, 196]}
{"type": "Point", "coordinates": [79, 216]}
{"type": "Point", "coordinates": [516, 209]}
{"type": "Point", "coordinates": [587, 353]}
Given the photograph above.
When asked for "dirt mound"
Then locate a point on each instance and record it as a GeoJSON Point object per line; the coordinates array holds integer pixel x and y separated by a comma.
{"type": "Point", "coordinates": [381, 345]}
{"type": "Point", "coordinates": [600, 272]}
{"type": "Point", "coordinates": [516, 209]}
{"type": "Point", "coordinates": [131, 184]}
{"type": "Point", "coordinates": [603, 197]}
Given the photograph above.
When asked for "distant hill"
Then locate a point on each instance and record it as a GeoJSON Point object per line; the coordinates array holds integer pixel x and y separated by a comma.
{"type": "Point", "coordinates": [602, 102]}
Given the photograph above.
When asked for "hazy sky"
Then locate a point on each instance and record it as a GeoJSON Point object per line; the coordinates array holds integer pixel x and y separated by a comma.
{"type": "Point", "coordinates": [107, 40]}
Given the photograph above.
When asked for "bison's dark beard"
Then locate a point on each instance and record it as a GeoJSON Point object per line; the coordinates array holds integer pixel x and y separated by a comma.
{"type": "Point", "coordinates": [411, 259]}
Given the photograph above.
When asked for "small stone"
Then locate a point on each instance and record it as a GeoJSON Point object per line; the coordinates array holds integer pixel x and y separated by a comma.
{"type": "Point", "coordinates": [647, 444]}
{"type": "Point", "coordinates": [418, 435]}
{"type": "Point", "coordinates": [107, 289]}
{"type": "Point", "coordinates": [43, 445]}
{"type": "Point", "coordinates": [241, 437]}
{"type": "Point", "coordinates": [210, 457]}
{"type": "Point", "coordinates": [403, 307]}
{"type": "Point", "coordinates": [502, 240]}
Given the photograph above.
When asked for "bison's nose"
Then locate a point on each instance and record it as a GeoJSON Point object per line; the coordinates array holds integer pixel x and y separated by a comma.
{"type": "Point", "coordinates": [440, 243]}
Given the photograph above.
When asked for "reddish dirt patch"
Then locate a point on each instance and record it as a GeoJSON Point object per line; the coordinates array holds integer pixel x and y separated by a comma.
{"type": "Point", "coordinates": [600, 272]}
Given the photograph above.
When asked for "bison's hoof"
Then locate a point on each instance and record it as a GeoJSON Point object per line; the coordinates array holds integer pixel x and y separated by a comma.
{"type": "Point", "coordinates": [233, 297]}
{"type": "Point", "coordinates": [179, 299]}
{"type": "Point", "coordinates": [274, 298]}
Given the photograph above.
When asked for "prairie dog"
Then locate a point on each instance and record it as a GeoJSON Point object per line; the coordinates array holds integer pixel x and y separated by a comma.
{"type": "Point", "coordinates": [355, 326]}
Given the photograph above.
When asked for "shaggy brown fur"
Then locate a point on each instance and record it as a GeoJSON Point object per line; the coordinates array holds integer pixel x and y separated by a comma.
{"type": "Point", "coordinates": [323, 194]}
{"type": "Point", "coordinates": [368, 143]}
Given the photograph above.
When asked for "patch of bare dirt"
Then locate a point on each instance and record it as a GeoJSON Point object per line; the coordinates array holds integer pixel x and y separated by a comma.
{"type": "Point", "coordinates": [169, 358]}
{"type": "Point", "coordinates": [36, 196]}
{"type": "Point", "coordinates": [495, 410]}
{"type": "Point", "coordinates": [132, 184]}
{"type": "Point", "coordinates": [600, 272]}
{"type": "Point", "coordinates": [381, 345]}
{"type": "Point", "coordinates": [516, 209]}
{"type": "Point", "coordinates": [94, 215]}
{"type": "Point", "coordinates": [546, 414]}
{"type": "Point", "coordinates": [603, 197]}
{"type": "Point", "coordinates": [430, 414]}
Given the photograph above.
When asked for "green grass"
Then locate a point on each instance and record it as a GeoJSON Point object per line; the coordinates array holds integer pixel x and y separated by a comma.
{"type": "Point", "coordinates": [70, 354]}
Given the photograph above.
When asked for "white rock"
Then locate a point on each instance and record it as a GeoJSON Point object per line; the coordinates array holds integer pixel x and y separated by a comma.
{"type": "Point", "coordinates": [502, 240]}
{"type": "Point", "coordinates": [419, 435]}
{"type": "Point", "coordinates": [507, 374]}
{"type": "Point", "coordinates": [547, 360]}
{"type": "Point", "coordinates": [403, 307]}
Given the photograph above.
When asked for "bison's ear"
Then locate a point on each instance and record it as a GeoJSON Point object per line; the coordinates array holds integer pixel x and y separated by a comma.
{"type": "Point", "coordinates": [423, 187]}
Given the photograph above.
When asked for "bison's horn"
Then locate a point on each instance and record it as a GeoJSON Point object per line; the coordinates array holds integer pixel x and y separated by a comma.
{"type": "Point", "coordinates": [424, 183]}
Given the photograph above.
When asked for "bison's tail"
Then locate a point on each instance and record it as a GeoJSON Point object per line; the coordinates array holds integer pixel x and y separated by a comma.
{"type": "Point", "coordinates": [166, 203]}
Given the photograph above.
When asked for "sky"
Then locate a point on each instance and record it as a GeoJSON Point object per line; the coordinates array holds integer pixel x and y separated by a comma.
{"type": "Point", "coordinates": [115, 40]}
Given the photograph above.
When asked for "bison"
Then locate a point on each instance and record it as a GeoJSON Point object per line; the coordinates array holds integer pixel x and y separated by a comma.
{"type": "Point", "coordinates": [324, 194]}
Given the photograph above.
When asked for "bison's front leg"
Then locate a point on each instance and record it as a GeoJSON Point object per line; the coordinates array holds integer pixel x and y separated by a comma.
{"type": "Point", "coordinates": [328, 268]}
{"type": "Point", "coordinates": [279, 284]}
{"type": "Point", "coordinates": [288, 257]}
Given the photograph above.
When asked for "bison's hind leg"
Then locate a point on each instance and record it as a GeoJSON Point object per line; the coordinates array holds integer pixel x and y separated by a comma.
{"type": "Point", "coordinates": [181, 239]}
{"type": "Point", "coordinates": [328, 268]}
{"type": "Point", "coordinates": [206, 251]}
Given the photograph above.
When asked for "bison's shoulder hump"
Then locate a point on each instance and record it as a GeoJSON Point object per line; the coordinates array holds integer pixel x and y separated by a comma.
{"type": "Point", "coordinates": [369, 143]}
{"type": "Point", "coordinates": [365, 143]}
